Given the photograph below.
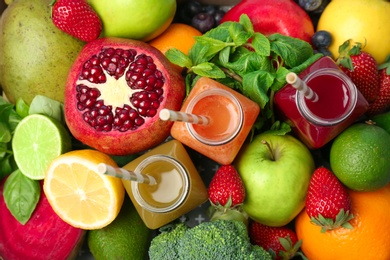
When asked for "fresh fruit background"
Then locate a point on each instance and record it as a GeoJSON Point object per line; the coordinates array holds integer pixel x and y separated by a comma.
{"type": "Point", "coordinates": [368, 207]}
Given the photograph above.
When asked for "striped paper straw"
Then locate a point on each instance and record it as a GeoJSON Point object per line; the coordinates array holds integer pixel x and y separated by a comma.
{"type": "Point", "coordinates": [167, 114]}
{"type": "Point", "coordinates": [301, 86]}
{"type": "Point", "coordinates": [103, 168]}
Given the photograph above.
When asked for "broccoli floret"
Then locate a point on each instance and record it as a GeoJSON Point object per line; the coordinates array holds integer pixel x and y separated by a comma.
{"type": "Point", "coordinates": [165, 244]}
{"type": "Point", "coordinates": [214, 240]}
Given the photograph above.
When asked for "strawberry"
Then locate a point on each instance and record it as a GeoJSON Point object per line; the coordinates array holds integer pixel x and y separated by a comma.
{"type": "Point", "coordinates": [77, 18]}
{"type": "Point", "coordinates": [226, 195]}
{"type": "Point", "coordinates": [328, 203]}
{"type": "Point", "coordinates": [361, 67]}
{"type": "Point", "coordinates": [226, 187]}
{"type": "Point", "coordinates": [280, 242]}
{"type": "Point", "coordinates": [382, 102]}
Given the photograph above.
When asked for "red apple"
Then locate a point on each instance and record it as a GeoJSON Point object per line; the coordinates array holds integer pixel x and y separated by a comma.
{"type": "Point", "coordinates": [274, 16]}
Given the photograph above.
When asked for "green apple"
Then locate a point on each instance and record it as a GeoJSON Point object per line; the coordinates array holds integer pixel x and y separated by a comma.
{"type": "Point", "coordinates": [134, 19]}
{"type": "Point", "coordinates": [276, 171]}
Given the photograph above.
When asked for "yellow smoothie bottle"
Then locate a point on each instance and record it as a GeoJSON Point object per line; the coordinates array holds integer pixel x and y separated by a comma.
{"type": "Point", "coordinates": [179, 187]}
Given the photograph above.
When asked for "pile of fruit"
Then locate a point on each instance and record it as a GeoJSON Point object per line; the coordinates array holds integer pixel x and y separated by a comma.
{"type": "Point", "coordinates": [82, 82]}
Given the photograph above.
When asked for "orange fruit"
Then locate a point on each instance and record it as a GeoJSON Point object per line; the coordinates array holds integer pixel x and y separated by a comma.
{"type": "Point", "coordinates": [369, 238]}
{"type": "Point", "coordinates": [177, 35]}
{"type": "Point", "coordinates": [79, 194]}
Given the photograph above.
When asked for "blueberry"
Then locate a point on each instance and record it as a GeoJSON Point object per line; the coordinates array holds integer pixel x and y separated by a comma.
{"type": "Point", "coordinates": [210, 9]}
{"type": "Point", "coordinates": [219, 14]}
{"type": "Point", "coordinates": [310, 5]}
{"type": "Point", "coordinates": [321, 39]}
{"type": "Point", "coordinates": [203, 22]}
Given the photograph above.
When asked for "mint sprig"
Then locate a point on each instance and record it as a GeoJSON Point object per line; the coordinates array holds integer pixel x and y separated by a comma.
{"type": "Point", "coordinates": [249, 62]}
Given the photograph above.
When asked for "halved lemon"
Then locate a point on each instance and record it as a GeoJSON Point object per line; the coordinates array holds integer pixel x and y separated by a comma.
{"type": "Point", "coordinates": [80, 195]}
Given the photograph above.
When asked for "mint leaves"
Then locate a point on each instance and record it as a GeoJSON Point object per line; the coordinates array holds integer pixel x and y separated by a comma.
{"type": "Point", "coordinates": [247, 61]}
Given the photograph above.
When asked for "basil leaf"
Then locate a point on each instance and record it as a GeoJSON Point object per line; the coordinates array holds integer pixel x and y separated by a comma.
{"type": "Point", "coordinates": [47, 106]}
{"type": "Point", "coordinates": [21, 195]}
{"type": "Point", "coordinates": [21, 108]}
{"type": "Point", "coordinates": [7, 164]}
{"type": "Point", "coordinates": [5, 133]}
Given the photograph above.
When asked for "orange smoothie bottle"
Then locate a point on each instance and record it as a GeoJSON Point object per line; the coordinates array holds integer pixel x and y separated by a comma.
{"type": "Point", "coordinates": [231, 117]}
{"type": "Point", "coordinates": [179, 187]}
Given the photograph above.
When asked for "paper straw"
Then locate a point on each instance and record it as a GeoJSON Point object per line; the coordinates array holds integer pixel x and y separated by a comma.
{"type": "Point", "coordinates": [301, 86]}
{"type": "Point", "coordinates": [166, 114]}
{"type": "Point", "coordinates": [125, 174]}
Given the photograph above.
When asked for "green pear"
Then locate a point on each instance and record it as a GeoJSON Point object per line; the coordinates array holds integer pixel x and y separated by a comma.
{"type": "Point", "coordinates": [35, 56]}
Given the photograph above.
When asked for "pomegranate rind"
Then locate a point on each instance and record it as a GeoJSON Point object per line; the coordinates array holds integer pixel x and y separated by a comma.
{"type": "Point", "coordinates": [153, 132]}
{"type": "Point", "coordinates": [44, 236]}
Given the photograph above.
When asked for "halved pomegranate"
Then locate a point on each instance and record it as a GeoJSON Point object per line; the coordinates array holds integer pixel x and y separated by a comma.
{"type": "Point", "coordinates": [114, 92]}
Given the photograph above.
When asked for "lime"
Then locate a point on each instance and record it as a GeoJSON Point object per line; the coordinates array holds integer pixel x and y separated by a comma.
{"type": "Point", "coordinates": [382, 120]}
{"type": "Point", "coordinates": [360, 157]}
{"type": "Point", "coordinates": [37, 140]}
{"type": "Point", "coordinates": [126, 237]}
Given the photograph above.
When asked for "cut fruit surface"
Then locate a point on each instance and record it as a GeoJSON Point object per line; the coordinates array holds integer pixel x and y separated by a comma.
{"type": "Point", "coordinates": [80, 195]}
{"type": "Point", "coordinates": [37, 140]}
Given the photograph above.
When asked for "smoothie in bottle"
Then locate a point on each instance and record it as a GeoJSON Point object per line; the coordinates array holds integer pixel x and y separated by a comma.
{"type": "Point", "coordinates": [231, 117]}
{"type": "Point", "coordinates": [339, 103]}
{"type": "Point", "coordinates": [179, 187]}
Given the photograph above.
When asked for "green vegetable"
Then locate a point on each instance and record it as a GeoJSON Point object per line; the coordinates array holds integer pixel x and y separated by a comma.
{"type": "Point", "coordinates": [220, 239]}
{"type": "Point", "coordinates": [247, 61]}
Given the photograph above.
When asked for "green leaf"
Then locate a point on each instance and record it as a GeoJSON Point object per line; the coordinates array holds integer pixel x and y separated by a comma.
{"type": "Point", "coordinates": [292, 51]}
{"type": "Point", "coordinates": [21, 195]}
{"type": "Point", "coordinates": [179, 58]}
{"type": "Point", "coordinates": [261, 44]}
{"type": "Point", "coordinates": [238, 35]}
{"type": "Point", "coordinates": [256, 85]}
{"type": "Point", "coordinates": [5, 133]}
{"type": "Point", "coordinates": [214, 46]}
{"type": "Point", "coordinates": [246, 23]}
{"type": "Point", "coordinates": [248, 61]}
{"type": "Point", "coordinates": [7, 164]}
{"type": "Point", "coordinates": [47, 106]}
{"type": "Point", "coordinates": [208, 69]}
{"type": "Point", "coordinates": [21, 108]}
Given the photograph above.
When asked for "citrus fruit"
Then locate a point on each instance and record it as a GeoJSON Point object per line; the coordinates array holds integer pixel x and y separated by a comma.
{"type": "Point", "coordinates": [177, 35]}
{"type": "Point", "coordinates": [37, 140]}
{"type": "Point", "coordinates": [368, 239]}
{"type": "Point", "coordinates": [79, 194]}
{"type": "Point", "coordinates": [364, 21]}
{"type": "Point", "coordinates": [382, 120]}
{"type": "Point", "coordinates": [126, 236]}
{"type": "Point", "coordinates": [360, 157]}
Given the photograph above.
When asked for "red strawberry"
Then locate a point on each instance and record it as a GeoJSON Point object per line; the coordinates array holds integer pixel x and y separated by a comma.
{"type": "Point", "coordinates": [77, 18]}
{"type": "Point", "coordinates": [361, 67]}
{"type": "Point", "coordinates": [281, 242]}
{"type": "Point", "coordinates": [226, 188]}
{"type": "Point", "coordinates": [382, 102]}
{"type": "Point", "coordinates": [226, 195]}
{"type": "Point", "coordinates": [328, 203]}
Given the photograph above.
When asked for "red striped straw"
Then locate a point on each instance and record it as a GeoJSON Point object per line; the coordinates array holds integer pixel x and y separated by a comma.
{"type": "Point", "coordinates": [167, 114]}
{"type": "Point", "coordinates": [301, 86]}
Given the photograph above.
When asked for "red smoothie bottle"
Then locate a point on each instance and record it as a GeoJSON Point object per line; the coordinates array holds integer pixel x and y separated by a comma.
{"type": "Point", "coordinates": [339, 104]}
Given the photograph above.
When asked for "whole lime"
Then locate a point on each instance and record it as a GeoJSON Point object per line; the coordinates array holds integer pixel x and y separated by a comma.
{"type": "Point", "coordinates": [360, 157]}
